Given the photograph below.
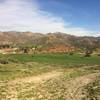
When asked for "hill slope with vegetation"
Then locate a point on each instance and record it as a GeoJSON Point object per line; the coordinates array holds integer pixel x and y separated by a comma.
{"type": "Point", "coordinates": [49, 39]}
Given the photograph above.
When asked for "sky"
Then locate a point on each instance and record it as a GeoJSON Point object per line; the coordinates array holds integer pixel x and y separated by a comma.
{"type": "Point", "coordinates": [75, 17]}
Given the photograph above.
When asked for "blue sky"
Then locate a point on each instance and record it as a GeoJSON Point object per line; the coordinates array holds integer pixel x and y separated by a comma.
{"type": "Point", "coordinates": [76, 17]}
{"type": "Point", "coordinates": [82, 13]}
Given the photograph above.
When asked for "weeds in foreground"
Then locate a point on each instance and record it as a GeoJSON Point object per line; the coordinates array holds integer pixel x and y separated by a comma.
{"type": "Point", "coordinates": [92, 90]}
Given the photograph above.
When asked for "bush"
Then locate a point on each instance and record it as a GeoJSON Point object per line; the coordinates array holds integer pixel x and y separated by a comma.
{"type": "Point", "coordinates": [87, 55]}
{"type": "Point", "coordinates": [3, 61]}
{"type": "Point", "coordinates": [98, 54]}
{"type": "Point", "coordinates": [71, 53]}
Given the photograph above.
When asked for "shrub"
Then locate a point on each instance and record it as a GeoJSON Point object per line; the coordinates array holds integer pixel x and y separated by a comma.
{"type": "Point", "coordinates": [3, 61]}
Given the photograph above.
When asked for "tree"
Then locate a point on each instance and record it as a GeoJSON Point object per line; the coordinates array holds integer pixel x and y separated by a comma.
{"type": "Point", "coordinates": [89, 47]}
{"type": "Point", "coordinates": [86, 44]}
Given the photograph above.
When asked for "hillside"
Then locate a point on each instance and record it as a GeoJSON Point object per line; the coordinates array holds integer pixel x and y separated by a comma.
{"type": "Point", "coordinates": [49, 39]}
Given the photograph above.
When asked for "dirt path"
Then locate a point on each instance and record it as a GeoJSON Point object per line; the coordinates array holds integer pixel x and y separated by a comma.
{"type": "Point", "coordinates": [37, 79]}
{"type": "Point", "coordinates": [74, 86]}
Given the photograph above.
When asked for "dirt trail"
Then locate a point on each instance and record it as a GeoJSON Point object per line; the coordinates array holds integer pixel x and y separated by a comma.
{"type": "Point", "coordinates": [36, 79]}
{"type": "Point", "coordinates": [74, 86]}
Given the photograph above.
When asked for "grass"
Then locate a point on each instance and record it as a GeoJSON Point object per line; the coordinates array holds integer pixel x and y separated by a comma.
{"type": "Point", "coordinates": [93, 89]}
{"type": "Point", "coordinates": [58, 59]}
{"type": "Point", "coordinates": [24, 65]}
{"type": "Point", "coordinates": [14, 70]}
{"type": "Point", "coordinates": [52, 89]}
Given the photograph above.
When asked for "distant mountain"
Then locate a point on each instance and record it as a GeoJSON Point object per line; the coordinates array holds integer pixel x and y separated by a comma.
{"type": "Point", "coordinates": [49, 39]}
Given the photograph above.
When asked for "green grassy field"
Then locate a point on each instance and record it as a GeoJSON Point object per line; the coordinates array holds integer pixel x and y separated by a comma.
{"type": "Point", "coordinates": [72, 71]}
{"type": "Point", "coordinates": [60, 59]}
{"type": "Point", "coordinates": [21, 65]}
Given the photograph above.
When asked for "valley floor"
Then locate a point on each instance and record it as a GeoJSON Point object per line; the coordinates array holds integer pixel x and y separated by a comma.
{"type": "Point", "coordinates": [56, 84]}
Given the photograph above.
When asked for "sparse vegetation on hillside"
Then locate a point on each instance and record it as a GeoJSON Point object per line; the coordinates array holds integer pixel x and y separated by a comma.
{"type": "Point", "coordinates": [20, 39]}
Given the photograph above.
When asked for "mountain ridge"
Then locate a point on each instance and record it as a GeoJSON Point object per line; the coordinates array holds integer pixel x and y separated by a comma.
{"type": "Point", "coordinates": [49, 39]}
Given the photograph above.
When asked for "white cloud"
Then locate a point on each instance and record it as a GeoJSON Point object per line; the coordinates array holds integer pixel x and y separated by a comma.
{"type": "Point", "coordinates": [25, 15]}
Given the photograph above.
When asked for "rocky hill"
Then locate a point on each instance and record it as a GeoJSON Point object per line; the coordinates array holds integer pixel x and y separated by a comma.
{"type": "Point", "coordinates": [49, 39]}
